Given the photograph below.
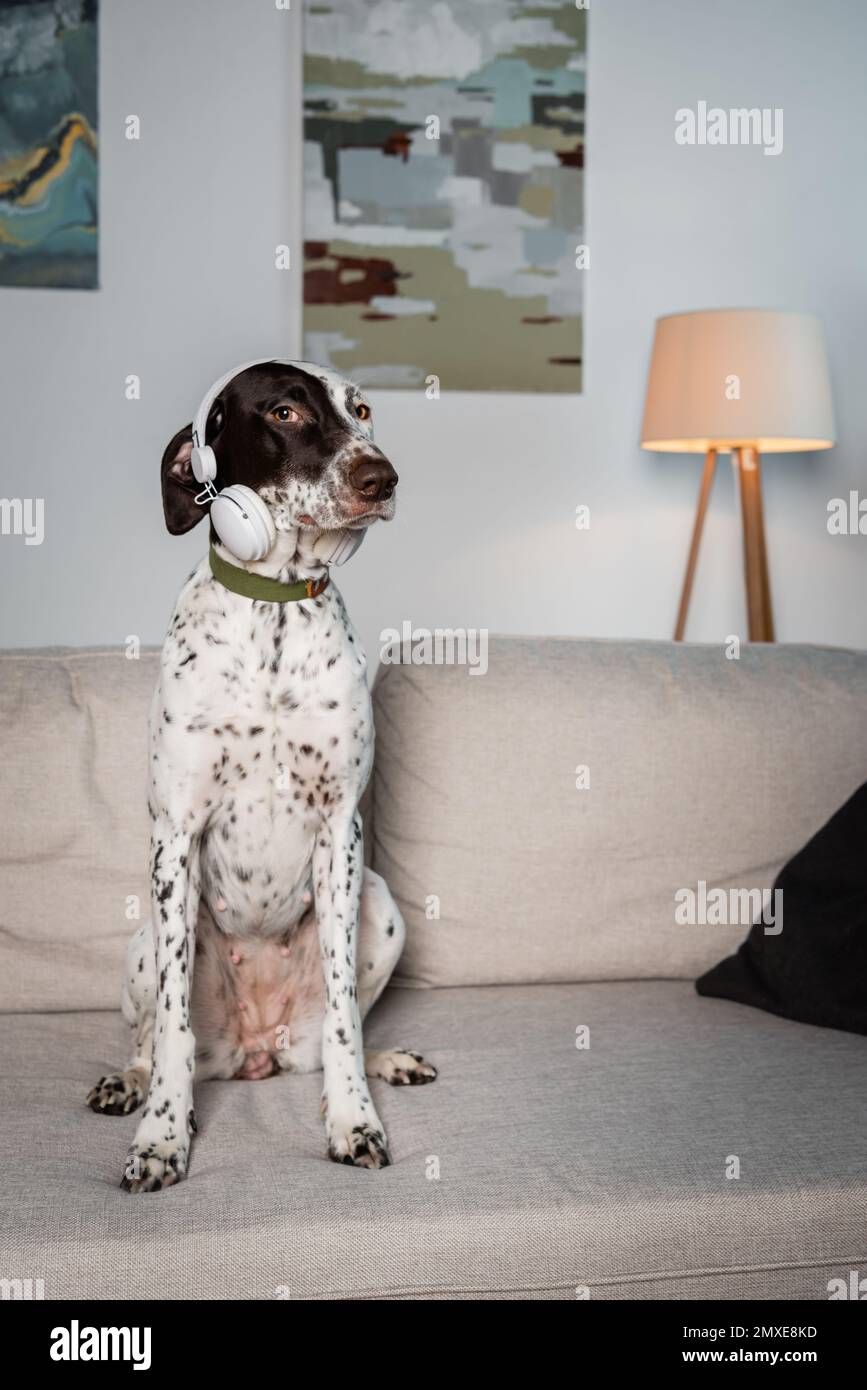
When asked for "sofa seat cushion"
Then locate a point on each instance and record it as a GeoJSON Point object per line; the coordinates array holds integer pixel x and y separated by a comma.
{"type": "Point", "coordinates": [531, 1168]}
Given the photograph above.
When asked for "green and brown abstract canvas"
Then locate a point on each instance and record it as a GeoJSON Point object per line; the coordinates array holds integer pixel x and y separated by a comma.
{"type": "Point", "coordinates": [48, 151]}
{"type": "Point", "coordinates": [444, 156]}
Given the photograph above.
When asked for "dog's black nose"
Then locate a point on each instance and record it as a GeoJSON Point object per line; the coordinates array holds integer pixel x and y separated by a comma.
{"type": "Point", "coordinates": [374, 478]}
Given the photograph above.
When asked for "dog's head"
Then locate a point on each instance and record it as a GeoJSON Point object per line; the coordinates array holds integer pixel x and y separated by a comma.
{"type": "Point", "coordinates": [302, 437]}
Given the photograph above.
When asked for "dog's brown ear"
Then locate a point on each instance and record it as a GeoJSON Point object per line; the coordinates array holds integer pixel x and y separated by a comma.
{"type": "Point", "coordinates": [180, 507]}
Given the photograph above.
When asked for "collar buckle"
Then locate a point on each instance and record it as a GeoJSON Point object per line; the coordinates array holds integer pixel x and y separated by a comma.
{"type": "Point", "coordinates": [315, 587]}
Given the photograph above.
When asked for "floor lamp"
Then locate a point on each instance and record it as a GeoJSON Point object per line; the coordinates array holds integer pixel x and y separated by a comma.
{"type": "Point", "coordinates": [745, 382]}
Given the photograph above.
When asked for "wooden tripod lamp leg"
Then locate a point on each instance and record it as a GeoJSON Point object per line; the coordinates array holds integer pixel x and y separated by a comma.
{"type": "Point", "coordinates": [759, 614]}
{"type": "Point", "coordinates": [703, 496]}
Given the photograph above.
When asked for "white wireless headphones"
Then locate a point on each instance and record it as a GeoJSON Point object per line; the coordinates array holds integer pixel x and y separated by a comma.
{"type": "Point", "coordinates": [239, 516]}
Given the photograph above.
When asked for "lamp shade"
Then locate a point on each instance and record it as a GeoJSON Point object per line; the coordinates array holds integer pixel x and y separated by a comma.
{"type": "Point", "coordinates": [725, 378]}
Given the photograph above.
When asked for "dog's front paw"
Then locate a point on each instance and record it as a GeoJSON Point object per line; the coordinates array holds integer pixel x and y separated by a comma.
{"type": "Point", "coordinates": [364, 1146]}
{"type": "Point", "coordinates": [147, 1169]}
{"type": "Point", "coordinates": [119, 1093]}
{"type": "Point", "coordinates": [400, 1067]}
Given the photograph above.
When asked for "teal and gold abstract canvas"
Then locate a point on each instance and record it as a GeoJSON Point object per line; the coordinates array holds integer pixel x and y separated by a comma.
{"type": "Point", "coordinates": [444, 156]}
{"type": "Point", "coordinates": [48, 148]}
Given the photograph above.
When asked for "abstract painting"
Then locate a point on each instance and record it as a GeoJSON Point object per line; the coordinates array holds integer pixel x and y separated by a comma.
{"type": "Point", "coordinates": [443, 179]}
{"type": "Point", "coordinates": [48, 150]}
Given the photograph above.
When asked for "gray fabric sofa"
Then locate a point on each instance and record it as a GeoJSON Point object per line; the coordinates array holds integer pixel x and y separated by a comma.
{"type": "Point", "coordinates": [535, 824]}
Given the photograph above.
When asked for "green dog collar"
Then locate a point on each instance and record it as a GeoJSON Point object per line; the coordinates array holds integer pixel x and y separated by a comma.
{"type": "Point", "coordinates": [260, 587]}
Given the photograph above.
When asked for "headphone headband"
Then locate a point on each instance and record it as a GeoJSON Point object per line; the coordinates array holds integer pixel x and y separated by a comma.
{"type": "Point", "coordinates": [200, 423]}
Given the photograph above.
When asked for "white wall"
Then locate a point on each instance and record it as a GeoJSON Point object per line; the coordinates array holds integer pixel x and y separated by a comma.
{"type": "Point", "coordinates": [484, 534]}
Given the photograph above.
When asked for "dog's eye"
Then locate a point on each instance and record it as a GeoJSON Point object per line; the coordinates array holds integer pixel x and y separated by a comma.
{"type": "Point", "coordinates": [285, 414]}
{"type": "Point", "coordinates": [362, 411]}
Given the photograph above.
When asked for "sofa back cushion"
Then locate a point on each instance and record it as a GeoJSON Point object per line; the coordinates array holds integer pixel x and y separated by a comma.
{"type": "Point", "coordinates": [546, 821]}
{"type": "Point", "coordinates": [73, 805]}
{"type": "Point", "coordinates": [698, 769]}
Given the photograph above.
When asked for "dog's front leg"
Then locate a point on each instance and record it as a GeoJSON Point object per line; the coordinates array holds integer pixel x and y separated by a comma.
{"type": "Point", "coordinates": [354, 1130]}
{"type": "Point", "coordinates": [160, 1151]}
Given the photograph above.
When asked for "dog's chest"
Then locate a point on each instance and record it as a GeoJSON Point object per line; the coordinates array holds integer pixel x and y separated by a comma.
{"type": "Point", "coordinates": [277, 718]}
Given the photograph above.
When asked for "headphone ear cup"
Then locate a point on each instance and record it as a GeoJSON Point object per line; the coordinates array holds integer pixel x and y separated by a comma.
{"type": "Point", "coordinates": [243, 522]}
{"type": "Point", "coordinates": [204, 464]}
{"type": "Point", "coordinates": [336, 547]}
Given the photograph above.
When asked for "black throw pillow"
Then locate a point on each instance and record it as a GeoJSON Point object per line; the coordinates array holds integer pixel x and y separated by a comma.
{"type": "Point", "coordinates": [815, 970]}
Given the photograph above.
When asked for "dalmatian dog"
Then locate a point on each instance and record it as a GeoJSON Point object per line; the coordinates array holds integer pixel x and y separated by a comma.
{"type": "Point", "coordinates": [269, 939]}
